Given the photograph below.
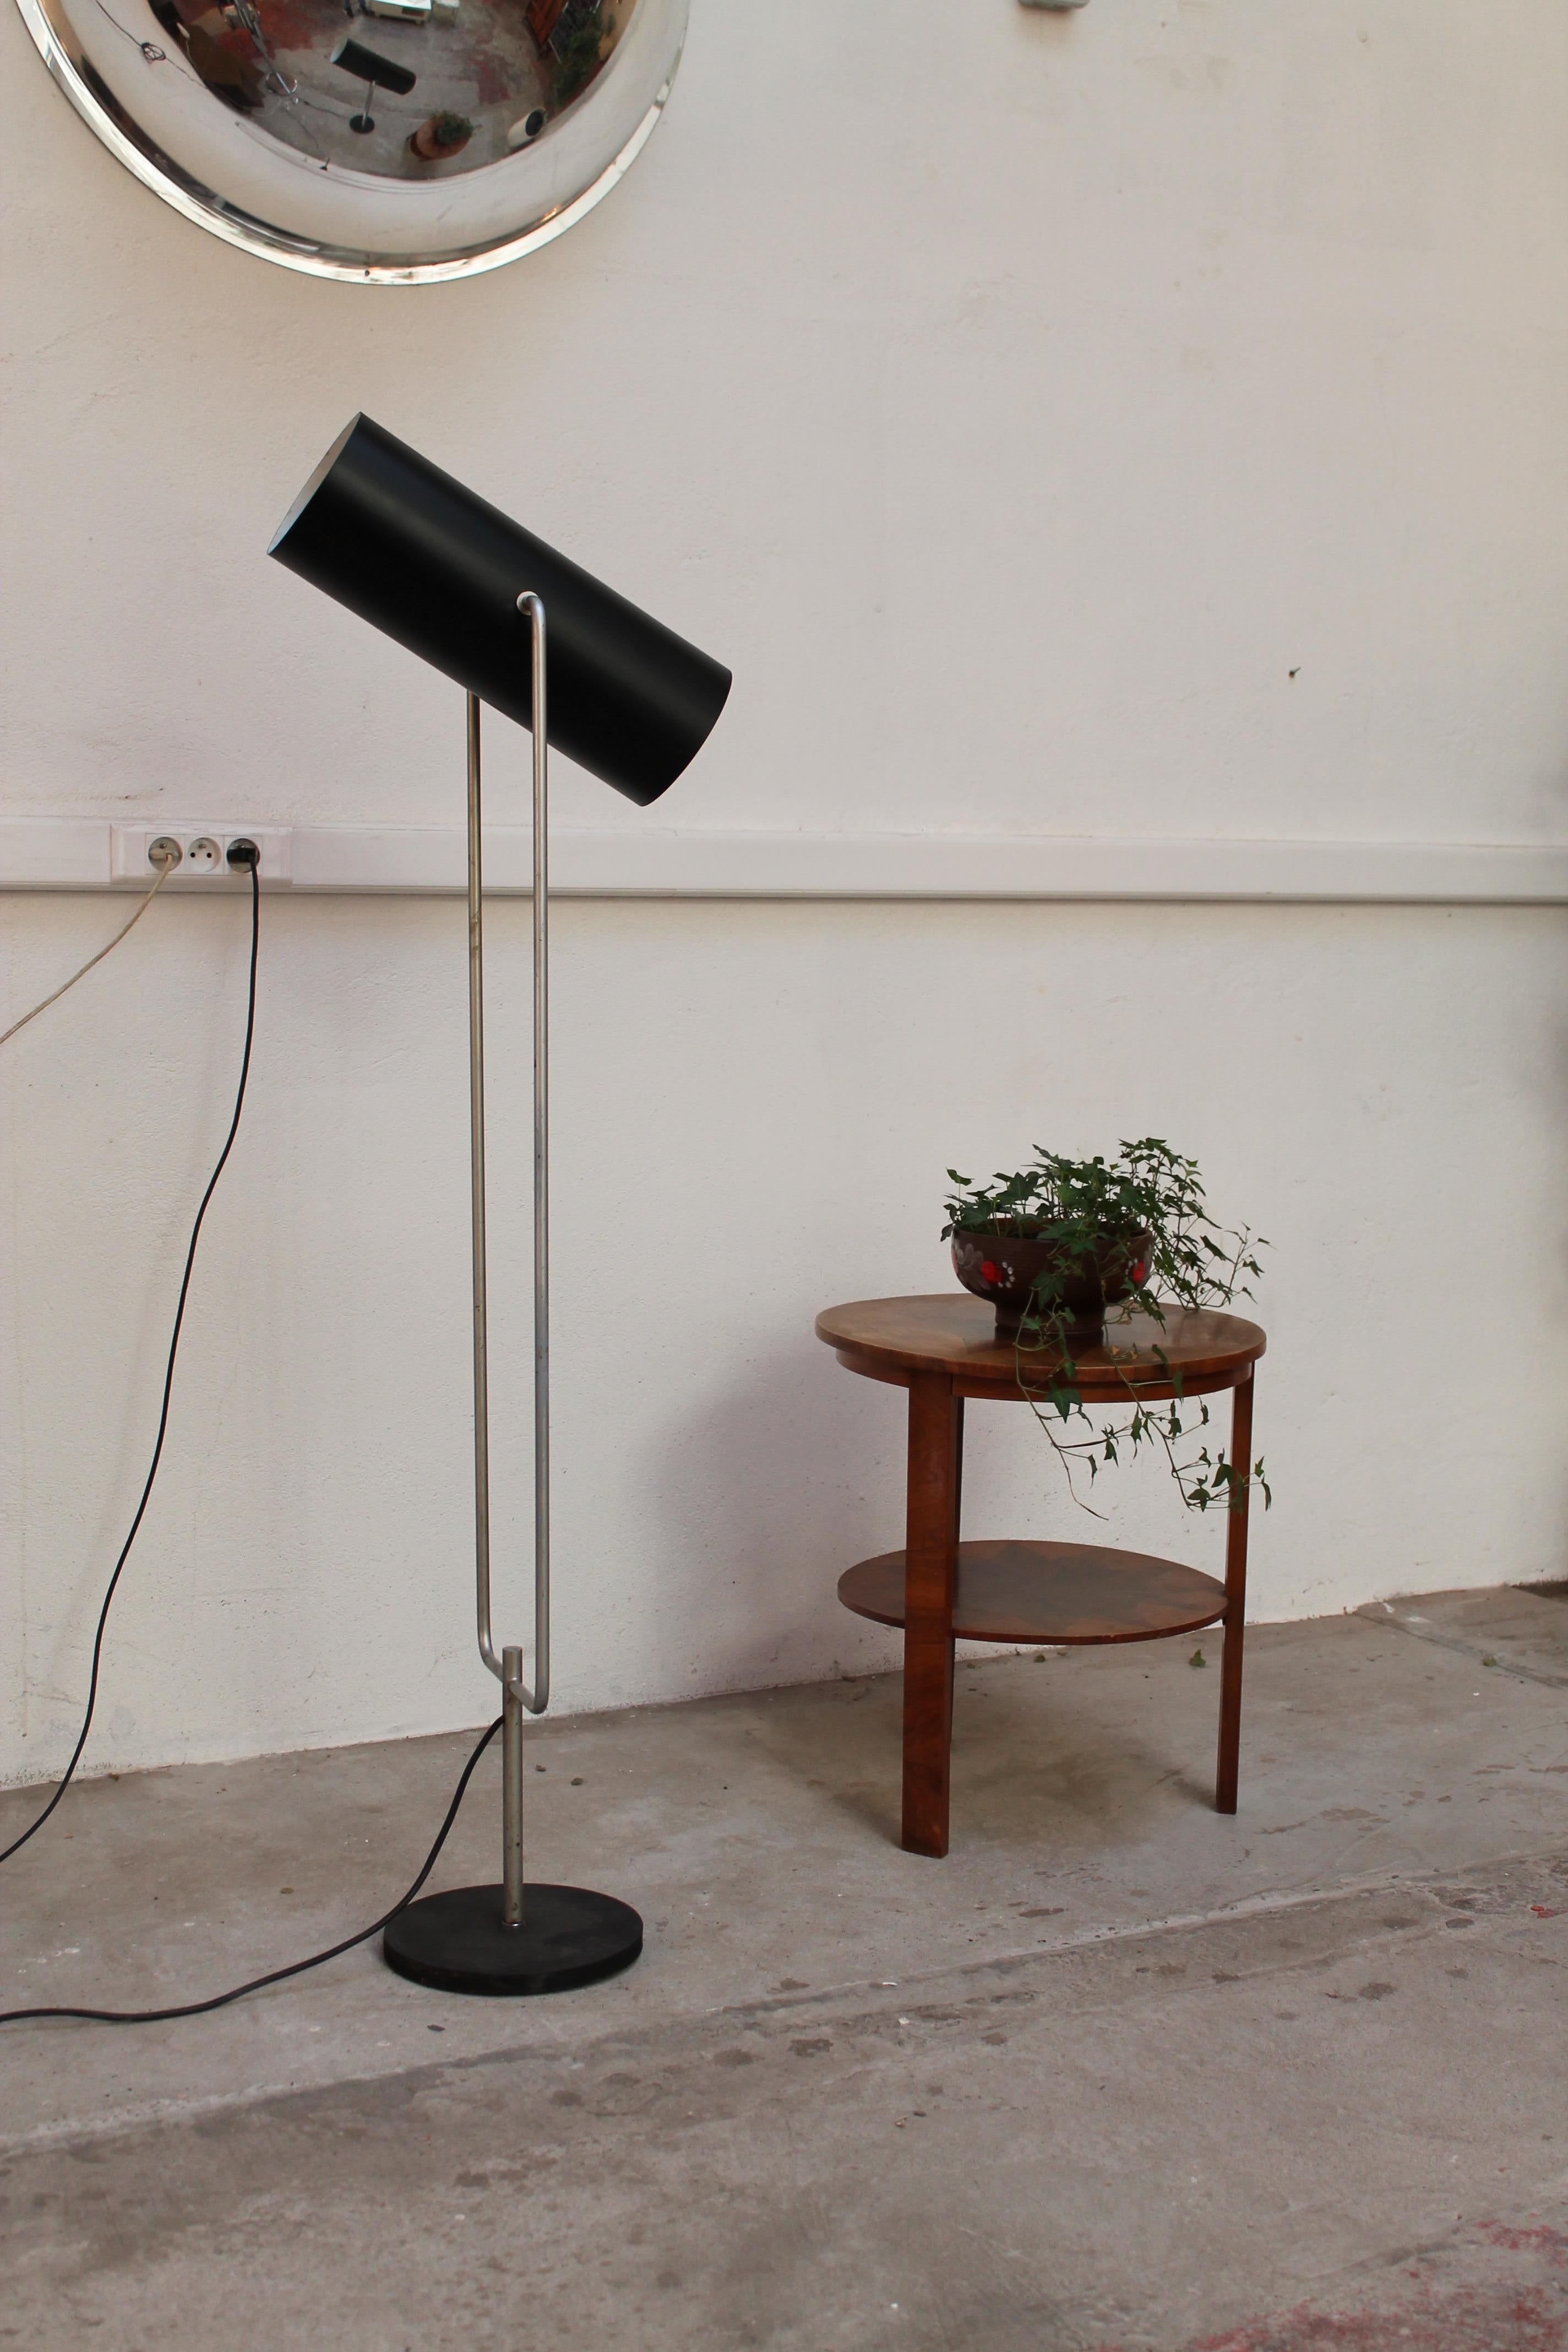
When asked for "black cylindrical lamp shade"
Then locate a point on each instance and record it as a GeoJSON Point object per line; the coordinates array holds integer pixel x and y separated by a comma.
{"type": "Point", "coordinates": [414, 553]}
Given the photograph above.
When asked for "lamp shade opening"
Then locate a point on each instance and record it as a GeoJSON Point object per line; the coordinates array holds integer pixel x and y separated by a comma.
{"type": "Point", "coordinates": [422, 559]}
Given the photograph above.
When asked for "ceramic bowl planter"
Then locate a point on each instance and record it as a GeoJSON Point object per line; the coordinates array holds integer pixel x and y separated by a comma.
{"type": "Point", "coordinates": [1005, 1267]}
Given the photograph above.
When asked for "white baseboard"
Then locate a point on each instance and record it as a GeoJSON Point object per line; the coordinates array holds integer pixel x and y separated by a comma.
{"type": "Point", "coordinates": [74, 854]}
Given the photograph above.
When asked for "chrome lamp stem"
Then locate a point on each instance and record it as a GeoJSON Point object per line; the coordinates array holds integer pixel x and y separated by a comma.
{"type": "Point", "coordinates": [517, 1696]}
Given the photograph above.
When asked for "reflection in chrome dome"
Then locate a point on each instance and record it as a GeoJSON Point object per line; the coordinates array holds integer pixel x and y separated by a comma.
{"type": "Point", "coordinates": [390, 139]}
{"type": "Point", "coordinates": [455, 84]}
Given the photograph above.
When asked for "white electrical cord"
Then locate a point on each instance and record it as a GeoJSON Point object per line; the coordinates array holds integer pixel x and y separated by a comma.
{"type": "Point", "coordinates": [165, 871]}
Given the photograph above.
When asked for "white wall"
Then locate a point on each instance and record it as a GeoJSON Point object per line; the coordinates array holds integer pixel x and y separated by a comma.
{"type": "Point", "coordinates": [1153, 353]}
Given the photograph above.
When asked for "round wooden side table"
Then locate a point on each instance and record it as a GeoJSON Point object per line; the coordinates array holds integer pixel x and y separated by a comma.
{"type": "Point", "coordinates": [945, 1350]}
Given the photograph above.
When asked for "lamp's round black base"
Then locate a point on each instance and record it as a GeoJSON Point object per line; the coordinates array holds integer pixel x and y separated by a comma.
{"type": "Point", "coordinates": [456, 1941]}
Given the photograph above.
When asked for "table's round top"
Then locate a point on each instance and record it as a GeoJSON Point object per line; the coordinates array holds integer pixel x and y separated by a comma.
{"type": "Point", "coordinates": [953, 1332]}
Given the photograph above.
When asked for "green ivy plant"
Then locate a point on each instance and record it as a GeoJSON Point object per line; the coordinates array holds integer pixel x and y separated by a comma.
{"type": "Point", "coordinates": [577, 57]}
{"type": "Point", "coordinates": [1078, 1205]}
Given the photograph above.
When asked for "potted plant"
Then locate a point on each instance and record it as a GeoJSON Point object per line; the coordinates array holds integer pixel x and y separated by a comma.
{"type": "Point", "coordinates": [441, 136]}
{"type": "Point", "coordinates": [1057, 1244]}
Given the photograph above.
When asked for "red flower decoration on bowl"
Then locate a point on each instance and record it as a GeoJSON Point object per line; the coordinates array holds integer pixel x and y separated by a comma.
{"type": "Point", "coordinates": [988, 1272]}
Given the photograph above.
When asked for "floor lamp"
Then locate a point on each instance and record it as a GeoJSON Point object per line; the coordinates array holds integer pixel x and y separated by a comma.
{"type": "Point", "coordinates": [518, 627]}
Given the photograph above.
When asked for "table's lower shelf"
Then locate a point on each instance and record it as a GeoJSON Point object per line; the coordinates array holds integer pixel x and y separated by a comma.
{"type": "Point", "coordinates": [1014, 1592]}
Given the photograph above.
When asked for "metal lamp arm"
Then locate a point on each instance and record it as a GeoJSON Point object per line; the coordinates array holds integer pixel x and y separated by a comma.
{"type": "Point", "coordinates": [508, 1667]}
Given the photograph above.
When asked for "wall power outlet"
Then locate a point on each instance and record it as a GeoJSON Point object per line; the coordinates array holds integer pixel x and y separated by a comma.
{"type": "Point", "coordinates": [203, 854]}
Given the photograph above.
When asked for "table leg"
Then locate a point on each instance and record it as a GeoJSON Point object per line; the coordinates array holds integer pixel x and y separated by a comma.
{"type": "Point", "coordinates": [1234, 1603]}
{"type": "Point", "coordinates": [930, 1571]}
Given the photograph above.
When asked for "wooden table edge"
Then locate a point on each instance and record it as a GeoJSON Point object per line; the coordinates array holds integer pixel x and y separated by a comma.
{"type": "Point", "coordinates": [1099, 1387]}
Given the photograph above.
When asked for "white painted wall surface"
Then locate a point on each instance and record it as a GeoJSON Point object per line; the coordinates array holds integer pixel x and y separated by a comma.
{"type": "Point", "coordinates": [1152, 353]}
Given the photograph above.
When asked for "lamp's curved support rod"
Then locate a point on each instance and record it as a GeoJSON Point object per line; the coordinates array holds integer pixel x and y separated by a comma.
{"type": "Point", "coordinates": [507, 1667]}
{"type": "Point", "coordinates": [477, 1164]}
{"type": "Point", "coordinates": [539, 1699]}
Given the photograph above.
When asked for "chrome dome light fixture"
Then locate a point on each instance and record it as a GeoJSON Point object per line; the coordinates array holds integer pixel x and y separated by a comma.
{"type": "Point", "coordinates": [454, 136]}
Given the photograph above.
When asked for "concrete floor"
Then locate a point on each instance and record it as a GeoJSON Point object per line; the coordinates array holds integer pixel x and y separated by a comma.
{"type": "Point", "coordinates": [1117, 2077]}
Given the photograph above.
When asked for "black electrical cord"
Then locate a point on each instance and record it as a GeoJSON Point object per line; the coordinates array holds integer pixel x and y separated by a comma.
{"type": "Point", "coordinates": [295, 1968]}
{"type": "Point", "coordinates": [34, 1827]}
